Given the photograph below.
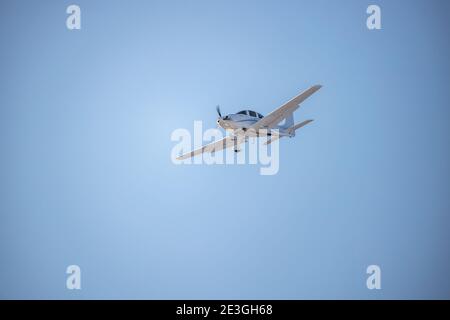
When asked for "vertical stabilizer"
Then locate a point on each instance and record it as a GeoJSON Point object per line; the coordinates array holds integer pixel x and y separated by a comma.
{"type": "Point", "coordinates": [289, 122]}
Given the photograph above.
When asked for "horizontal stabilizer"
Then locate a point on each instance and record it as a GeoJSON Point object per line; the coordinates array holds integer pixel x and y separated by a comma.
{"type": "Point", "coordinates": [299, 125]}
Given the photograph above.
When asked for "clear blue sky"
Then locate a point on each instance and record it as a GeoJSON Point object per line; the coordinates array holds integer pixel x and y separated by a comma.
{"type": "Point", "coordinates": [86, 175]}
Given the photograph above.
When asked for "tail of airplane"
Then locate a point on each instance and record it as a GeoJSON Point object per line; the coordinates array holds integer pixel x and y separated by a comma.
{"type": "Point", "coordinates": [298, 126]}
{"type": "Point", "coordinates": [290, 127]}
{"type": "Point", "coordinates": [290, 131]}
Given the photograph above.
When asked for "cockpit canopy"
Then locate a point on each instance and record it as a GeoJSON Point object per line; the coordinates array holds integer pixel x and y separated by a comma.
{"type": "Point", "coordinates": [251, 113]}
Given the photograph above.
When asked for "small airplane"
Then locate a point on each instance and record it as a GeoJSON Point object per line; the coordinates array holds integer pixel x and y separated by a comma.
{"type": "Point", "coordinates": [247, 123]}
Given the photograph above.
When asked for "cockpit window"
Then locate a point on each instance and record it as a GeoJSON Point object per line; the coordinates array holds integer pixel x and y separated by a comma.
{"type": "Point", "coordinates": [251, 113]}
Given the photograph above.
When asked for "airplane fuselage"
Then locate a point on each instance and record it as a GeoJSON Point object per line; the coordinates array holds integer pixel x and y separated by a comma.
{"type": "Point", "coordinates": [240, 123]}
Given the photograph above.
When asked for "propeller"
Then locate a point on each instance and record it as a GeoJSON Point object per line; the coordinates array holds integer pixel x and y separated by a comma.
{"type": "Point", "coordinates": [218, 111]}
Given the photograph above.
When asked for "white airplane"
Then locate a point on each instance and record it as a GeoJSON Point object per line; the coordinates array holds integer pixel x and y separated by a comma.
{"type": "Point", "coordinates": [249, 123]}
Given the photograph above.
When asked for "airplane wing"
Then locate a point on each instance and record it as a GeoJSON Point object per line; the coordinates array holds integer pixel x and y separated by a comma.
{"type": "Point", "coordinates": [273, 118]}
{"type": "Point", "coordinates": [218, 145]}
